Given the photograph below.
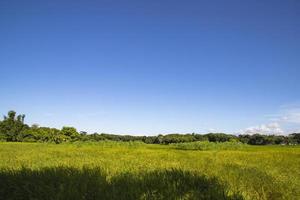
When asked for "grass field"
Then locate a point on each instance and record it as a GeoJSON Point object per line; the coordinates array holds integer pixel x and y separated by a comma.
{"type": "Point", "coordinates": [111, 170]}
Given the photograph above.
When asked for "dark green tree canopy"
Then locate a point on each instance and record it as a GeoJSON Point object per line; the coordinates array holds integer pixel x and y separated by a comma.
{"type": "Point", "coordinates": [14, 129]}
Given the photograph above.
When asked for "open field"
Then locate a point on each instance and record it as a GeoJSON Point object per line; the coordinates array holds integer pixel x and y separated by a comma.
{"type": "Point", "coordinates": [112, 170]}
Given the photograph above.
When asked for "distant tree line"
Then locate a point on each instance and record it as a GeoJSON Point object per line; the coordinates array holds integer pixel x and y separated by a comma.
{"type": "Point", "coordinates": [13, 129]}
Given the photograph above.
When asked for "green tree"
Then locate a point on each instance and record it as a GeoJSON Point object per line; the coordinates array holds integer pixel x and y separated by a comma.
{"type": "Point", "coordinates": [12, 126]}
{"type": "Point", "coordinates": [70, 133]}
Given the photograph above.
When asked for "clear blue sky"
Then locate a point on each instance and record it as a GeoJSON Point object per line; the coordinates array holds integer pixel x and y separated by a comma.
{"type": "Point", "coordinates": [149, 67]}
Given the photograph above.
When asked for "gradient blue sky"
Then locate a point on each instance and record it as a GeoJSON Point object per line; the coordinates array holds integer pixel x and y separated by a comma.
{"type": "Point", "coordinates": [148, 67]}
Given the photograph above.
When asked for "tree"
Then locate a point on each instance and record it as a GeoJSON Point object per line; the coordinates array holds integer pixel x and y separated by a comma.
{"type": "Point", "coordinates": [295, 137]}
{"type": "Point", "coordinates": [70, 133]}
{"type": "Point", "coordinates": [257, 139]}
{"type": "Point", "coordinates": [12, 126]}
{"type": "Point", "coordinates": [219, 137]}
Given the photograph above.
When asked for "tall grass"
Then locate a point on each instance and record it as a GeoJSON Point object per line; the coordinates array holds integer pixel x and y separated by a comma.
{"type": "Point", "coordinates": [71, 183]}
{"type": "Point", "coordinates": [205, 145]}
{"type": "Point", "coordinates": [148, 171]}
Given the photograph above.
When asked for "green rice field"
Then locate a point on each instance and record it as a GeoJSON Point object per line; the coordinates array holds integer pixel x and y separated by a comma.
{"type": "Point", "coordinates": [133, 170]}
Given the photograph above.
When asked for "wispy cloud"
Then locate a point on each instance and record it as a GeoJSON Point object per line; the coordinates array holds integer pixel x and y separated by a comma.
{"type": "Point", "coordinates": [267, 129]}
{"type": "Point", "coordinates": [287, 116]}
{"type": "Point", "coordinates": [291, 116]}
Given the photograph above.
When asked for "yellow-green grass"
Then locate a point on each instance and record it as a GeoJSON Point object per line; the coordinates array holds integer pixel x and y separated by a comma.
{"type": "Point", "coordinates": [264, 172]}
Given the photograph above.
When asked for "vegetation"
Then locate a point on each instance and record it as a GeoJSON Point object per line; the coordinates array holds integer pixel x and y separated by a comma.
{"type": "Point", "coordinates": [204, 146]}
{"type": "Point", "coordinates": [48, 163]}
{"type": "Point", "coordinates": [134, 170]}
{"type": "Point", "coordinates": [71, 183]}
{"type": "Point", "coordinates": [13, 129]}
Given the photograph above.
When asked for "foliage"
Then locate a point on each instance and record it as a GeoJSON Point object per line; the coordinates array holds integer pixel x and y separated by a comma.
{"type": "Point", "coordinates": [134, 170]}
{"type": "Point", "coordinates": [92, 183]}
{"type": "Point", "coordinates": [204, 146]}
{"type": "Point", "coordinates": [13, 128]}
{"type": "Point", "coordinates": [212, 166]}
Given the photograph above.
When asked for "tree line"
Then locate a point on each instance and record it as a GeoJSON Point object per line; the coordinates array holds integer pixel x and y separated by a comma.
{"type": "Point", "coordinates": [14, 129]}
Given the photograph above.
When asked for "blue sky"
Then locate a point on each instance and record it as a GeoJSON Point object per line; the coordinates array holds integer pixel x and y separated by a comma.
{"type": "Point", "coordinates": [149, 67]}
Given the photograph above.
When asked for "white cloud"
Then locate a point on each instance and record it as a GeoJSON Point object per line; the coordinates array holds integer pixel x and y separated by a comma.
{"type": "Point", "coordinates": [292, 116]}
{"type": "Point", "coordinates": [285, 121]}
{"type": "Point", "coordinates": [267, 129]}
{"type": "Point", "coordinates": [212, 130]}
{"type": "Point", "coordinates": [289, 114]}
